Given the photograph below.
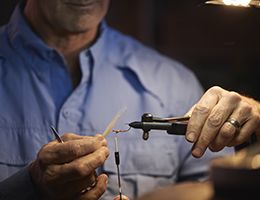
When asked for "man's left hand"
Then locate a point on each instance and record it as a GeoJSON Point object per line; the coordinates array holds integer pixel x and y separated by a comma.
{"type": "Point", "coordinates": [222, 118]}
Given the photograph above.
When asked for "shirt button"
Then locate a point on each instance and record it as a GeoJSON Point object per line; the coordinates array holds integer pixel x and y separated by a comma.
{"type": "Point", "coordinates": [66, 113]}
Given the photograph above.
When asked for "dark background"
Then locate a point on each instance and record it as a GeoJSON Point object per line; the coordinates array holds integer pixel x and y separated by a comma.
{"type": "Point", "coordinates": [219, 43]}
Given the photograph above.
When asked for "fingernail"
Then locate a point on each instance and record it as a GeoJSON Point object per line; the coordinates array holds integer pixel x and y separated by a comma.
{"type": "Point", "coordinates": [191, 137]}
{"type": "Point", "coordinates": [197, 152]}
{"type": "Point", "coordinates": [99, 137]}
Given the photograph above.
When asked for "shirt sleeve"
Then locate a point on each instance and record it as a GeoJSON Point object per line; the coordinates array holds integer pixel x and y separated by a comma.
{"type": "Point", "coordinates": [18, 186]}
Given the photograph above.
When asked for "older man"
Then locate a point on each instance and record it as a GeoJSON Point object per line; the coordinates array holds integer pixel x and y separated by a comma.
{"type": "Point", "coordinates": [60, 64]}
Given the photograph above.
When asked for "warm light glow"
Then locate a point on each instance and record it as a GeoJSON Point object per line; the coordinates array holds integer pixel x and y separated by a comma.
{"type": "Point", "coordinates": [237, 2]}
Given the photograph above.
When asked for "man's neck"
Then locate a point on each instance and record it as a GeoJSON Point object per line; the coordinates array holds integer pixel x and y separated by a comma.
{"type": "Point", "coordinates": [66, 43]}
{"type": "Point", "coordinates": [69, 44]}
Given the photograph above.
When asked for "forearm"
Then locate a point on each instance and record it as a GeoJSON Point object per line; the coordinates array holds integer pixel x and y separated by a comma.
{"type": "Point", "coordinates": [19, 186]}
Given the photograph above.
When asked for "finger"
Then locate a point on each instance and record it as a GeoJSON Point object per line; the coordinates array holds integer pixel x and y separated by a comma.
{"type": "Point", "coordinates": [66, 137]}
{"type": "Point", "coordinates": [228, 131]}
{"type": "Point", "coordinates": [245, 132]}
{"type": "Point", "coordinates": [190, 110]}
{"type": "Point", "coordinates": [123, 197]}
{"type": "Point", "coordinates": [224, 137]}
{"type": "Point", "coordinates": [71, 189]}
{"type": "Point", "coordinates": [71, 136]}
{"type": "Point", "coordinates": [59, 153]}
{"type": "Point", "coordinates": [77, 169]}
{"type": "Point", "coordinates": [98, 190]}
{"type": "Point", "coordinates": [219, 114]}
{"type": "Point", "coordinates": [200, 113]}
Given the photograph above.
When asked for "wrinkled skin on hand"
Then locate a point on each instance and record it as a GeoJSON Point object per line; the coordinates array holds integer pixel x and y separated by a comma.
{"type": "Point", "coordinates": [63, 170]}
{"type": "Point", "coordinates": [208, 126]}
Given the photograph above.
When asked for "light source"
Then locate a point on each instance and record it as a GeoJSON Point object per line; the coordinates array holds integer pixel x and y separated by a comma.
{"type": "Point", "coordinates": [238, 3]}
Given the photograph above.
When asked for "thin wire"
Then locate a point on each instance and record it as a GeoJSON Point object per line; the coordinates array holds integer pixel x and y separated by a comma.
{"type": "Point", "coordinates": [121, 131]}
{"type": "Point", "coordinates": [117, 161]}
{"type": "Point", "coordinates": [119, 182]}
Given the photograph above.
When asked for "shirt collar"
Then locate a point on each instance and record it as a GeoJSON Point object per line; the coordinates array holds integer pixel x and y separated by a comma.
{"type": "Point", "coordinates": [21, 35]}
{"type": "Point", "coordinates": [127, 53]}
{"type": "Point", "coordinates": [105, 47]}
{"type": "Point", "coordinates": [149, 77]}
{"type": "Point", "coordinates": [93, 56]}
{"type": "Point", "coordinates": [97, 49]}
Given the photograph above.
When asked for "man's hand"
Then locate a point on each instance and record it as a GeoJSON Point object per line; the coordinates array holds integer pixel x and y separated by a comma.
{"type": "Point", "coordinates": [210, 126]}
{"type": "Point", "coordinates": [66, 170]}
{"type": "Point", "coordinates": [123, 197]}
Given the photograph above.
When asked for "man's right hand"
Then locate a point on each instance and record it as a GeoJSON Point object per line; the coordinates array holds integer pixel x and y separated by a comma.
{"type": "Point", "coordinates": [65, 170]}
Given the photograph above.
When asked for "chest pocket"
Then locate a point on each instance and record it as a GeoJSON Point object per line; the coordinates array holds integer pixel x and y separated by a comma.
{"type": "Point", "coordinates": [19, 145]}
{"type": "Point", "coordinates": [157, 156]}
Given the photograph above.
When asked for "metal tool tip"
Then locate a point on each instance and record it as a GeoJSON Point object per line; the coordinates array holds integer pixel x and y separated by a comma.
{"type": "Point", "coordinates": [135, 124]}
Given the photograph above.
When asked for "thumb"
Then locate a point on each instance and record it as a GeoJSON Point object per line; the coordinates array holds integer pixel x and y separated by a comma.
{"type": "Point", "coordinates": [123, 197]}
{"type": "Point", "coordinates": [190, 110]}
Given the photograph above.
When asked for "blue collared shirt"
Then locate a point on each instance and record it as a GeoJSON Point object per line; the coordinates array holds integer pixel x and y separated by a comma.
{"type": "Point", "coordinates": [117, 72]}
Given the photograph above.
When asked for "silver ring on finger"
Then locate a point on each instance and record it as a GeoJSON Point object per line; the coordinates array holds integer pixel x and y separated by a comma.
{"type": "Point", "coordinates": [234, 123]}
{"type": "Point", "coordinates": [89, 187]}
